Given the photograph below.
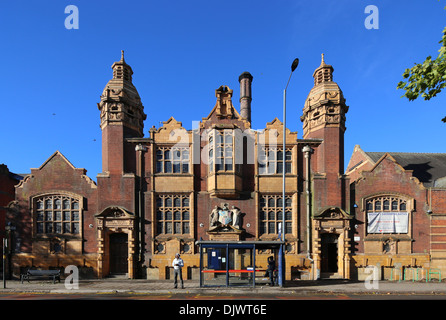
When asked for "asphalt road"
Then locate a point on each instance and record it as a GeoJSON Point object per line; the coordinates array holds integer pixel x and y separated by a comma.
{"type": "Point", "coordinates": [216, 306]}
{"type": "Point", "coordinates": [216, 297]}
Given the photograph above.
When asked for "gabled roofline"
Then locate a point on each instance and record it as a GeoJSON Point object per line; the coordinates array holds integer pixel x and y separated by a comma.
{"type": "Point", "coordinates": [51, 157]}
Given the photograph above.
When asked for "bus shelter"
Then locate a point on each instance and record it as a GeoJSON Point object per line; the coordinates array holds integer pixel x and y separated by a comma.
{"type": "Point", "coordinates": [233, 263]}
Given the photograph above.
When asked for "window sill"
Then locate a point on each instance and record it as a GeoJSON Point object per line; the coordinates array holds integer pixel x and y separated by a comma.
{"type": "Point", "coordinates": [213, 173]}
{"type": "Point", "coordinates": [160, 174]}
{"type": "Point", "coordinates": [385, 236]}
{"type": "Point", "coordinates": [170, 236]}
{"type": "Point", "coordinates": [276, 175]}
{"type": "Point", "coordinates": [51, 236]}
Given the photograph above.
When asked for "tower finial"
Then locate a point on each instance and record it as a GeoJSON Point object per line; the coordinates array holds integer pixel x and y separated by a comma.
{"type": "Point", "coordinates": [323, 73]}
{"type": "Point", "coordinates": [122, 55]}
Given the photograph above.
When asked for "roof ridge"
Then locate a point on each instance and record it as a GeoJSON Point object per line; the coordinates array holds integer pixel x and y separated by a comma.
{"type": "Point", "coordinates": [397, 152]}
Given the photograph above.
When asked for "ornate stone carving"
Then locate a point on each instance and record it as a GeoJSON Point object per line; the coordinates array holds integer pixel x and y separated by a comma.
{"type": "Point", "coordinates": [325, 104]}
{"type": "Point", "coordinates": [389, 246]}
{"type": "Point", "coordinates": [223, 218]}
{"type": "Point", "coordinates": [159, 246]}
{"type": "Point", "coordinates": [120, 101]}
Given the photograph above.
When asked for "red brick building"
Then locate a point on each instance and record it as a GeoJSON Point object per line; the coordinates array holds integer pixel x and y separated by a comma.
{"type": "Point", "coordinates": [7, 192]}
{"type": "Point", "coordinates": [220, 182]}
{"type": "Point", "coordinates": [409, 190]}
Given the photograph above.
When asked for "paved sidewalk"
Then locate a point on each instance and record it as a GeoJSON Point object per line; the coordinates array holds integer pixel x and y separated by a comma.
{"type": "Point", "coordinates": [191, 286]}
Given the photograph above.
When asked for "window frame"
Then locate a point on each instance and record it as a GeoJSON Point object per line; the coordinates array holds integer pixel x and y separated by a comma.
{"type": "Point", "coordinates": [266, 212]}
{"type": "Point", "coordinates": [221, 155]}
{"type": "Point", "coordinates": [376, 203]}
{"type": "Point", "coordinates": [177, 215]}
{"type": "Point", "coordinates": [268, 160]}
{"type": "Point", "coordinates": [57, 220]}
{"type": "Point", "coordinates": [161, 162]}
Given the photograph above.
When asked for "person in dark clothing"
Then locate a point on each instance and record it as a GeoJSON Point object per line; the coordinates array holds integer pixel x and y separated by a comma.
{"type": "Point", "coordinates": [271, 269]}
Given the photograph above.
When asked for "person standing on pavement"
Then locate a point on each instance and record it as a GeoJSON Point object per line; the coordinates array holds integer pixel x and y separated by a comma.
{"type": "Point", "coordinates": [271, 269]}
{"type": "Point", "coordinates": [178, 264]}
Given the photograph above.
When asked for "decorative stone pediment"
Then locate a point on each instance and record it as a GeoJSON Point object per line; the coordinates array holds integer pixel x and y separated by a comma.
{"type": "Point", "coordinates": [273, 134]}
{"type": "Point", "coordinates": [115, 213]}
{"type": "Point", "coordinates": [172, 132]}
{"type": "Point", "coordinates": [334, 213]}
{"type": "Point", "coordinates": [223, 107]}
{"type": "Point", "coordinates": [115, 219]}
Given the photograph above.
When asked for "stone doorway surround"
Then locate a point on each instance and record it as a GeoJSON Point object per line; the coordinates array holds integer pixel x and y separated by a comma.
{"type": "Point", "coordinates": [336, 221]}
{"type": "Point", "coordinates": [115, 220]}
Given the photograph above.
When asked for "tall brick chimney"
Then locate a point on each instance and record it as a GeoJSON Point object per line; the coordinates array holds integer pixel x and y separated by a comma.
{"type": "Point", "coordinates": [245, 80]}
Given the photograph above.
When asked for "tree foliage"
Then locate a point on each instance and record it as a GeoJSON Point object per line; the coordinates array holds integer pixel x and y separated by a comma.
{"type": "Point", "coordinates": [426, 79]}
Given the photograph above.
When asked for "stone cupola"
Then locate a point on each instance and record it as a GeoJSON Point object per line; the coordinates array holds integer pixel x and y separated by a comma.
{"type": "Point", "coordinates": [325, 105]}
{"type": "Point", "coordinates": [120, 101]}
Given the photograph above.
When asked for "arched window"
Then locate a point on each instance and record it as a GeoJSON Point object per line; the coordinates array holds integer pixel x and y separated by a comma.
{"type": "Point", "coordinates": [387, 214]}
{"type": "Point", "coordinates": [57, 214]}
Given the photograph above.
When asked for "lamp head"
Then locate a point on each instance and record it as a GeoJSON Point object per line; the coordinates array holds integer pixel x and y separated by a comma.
{"type": "Point", "coordinates": [294, 64]}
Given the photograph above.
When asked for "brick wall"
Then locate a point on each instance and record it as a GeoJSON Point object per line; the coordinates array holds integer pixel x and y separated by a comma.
{"type": "Point", "coordinates": [390, 178]}
{"type": "Point", "coordinates": [56, 176]}
{"type": "Point", "coordinates": [7, 193]}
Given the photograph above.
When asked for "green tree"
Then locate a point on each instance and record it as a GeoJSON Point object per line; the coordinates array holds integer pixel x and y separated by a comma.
{"type": "Point", "coordinates": [428, 78]}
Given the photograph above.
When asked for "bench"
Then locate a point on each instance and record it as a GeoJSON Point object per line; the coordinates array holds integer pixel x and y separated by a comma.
{"type": "Point", "coordinates": [38, 274]}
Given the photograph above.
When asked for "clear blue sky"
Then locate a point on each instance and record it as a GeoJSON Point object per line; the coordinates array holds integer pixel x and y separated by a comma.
{"type": "Point", "coordinates": [181, 51]}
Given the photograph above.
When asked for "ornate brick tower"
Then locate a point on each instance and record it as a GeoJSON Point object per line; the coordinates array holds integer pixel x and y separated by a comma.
{"type": "Point", "coordinates": [324, 118]}
{"type": "Point", "coordinates": [122, 116]}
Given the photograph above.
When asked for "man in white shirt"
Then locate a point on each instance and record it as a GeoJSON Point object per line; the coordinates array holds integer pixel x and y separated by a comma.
{"type": "Point", "coordinates": [177, 265]}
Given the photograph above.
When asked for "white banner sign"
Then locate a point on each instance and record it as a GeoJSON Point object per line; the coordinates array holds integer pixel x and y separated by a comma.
{"type": "Point", "coordinates": [387, 222]}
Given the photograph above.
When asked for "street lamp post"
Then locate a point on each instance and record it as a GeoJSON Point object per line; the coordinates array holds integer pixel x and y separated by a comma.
{"type": "Point", "coordinates": [282, 251]}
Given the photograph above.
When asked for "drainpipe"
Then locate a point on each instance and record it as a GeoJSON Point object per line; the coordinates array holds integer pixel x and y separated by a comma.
{"type": "Point", "coordinates": [429, 211]}
{"type": "Point", "coordinates": [307, 154]}
{"type": "Point", "coordinates": [141, 149]}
